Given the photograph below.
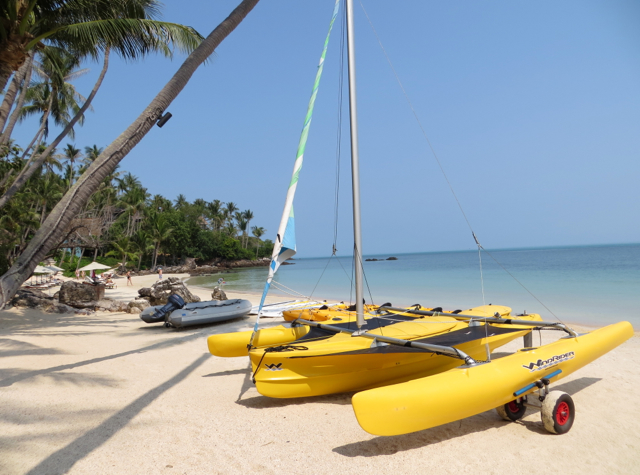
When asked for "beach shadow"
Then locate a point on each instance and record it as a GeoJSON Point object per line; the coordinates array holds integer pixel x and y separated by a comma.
{"type": "Point", "coordinates": [227, 373]}
{"type": "Point", "coordinates": [27, 322]}
{"type": "Point", "coordinates": [406, 442]}
{"type": "Point", "coordinates": [10, 347]}
{"type": "Point", "coordinates": [263, 402]}
{"type": "Point", "coordinates": [64, 459]}
{"type": "Point", "coordinates": [55, 369]}
{"type": "Point", "coordinates": [479, 423]}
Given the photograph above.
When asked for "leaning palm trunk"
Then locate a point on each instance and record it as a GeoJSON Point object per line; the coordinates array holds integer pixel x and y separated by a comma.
{"type": "Point", "coordinates": [52, 230]}
{"type": "Point", "coordinates": [27, 172]}
{"type": "Point", "coordinates": [8, 130]}
{"type": "Point", "coordinates": [14, 87]}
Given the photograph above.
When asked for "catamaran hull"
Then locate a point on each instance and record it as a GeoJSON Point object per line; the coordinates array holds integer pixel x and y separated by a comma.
{"type": "Point", "coordinates": [229, 345]}
{"type": "Point", "coordinates": [463, 392]}
{"type": "Point", "coordinates": [293, 374]}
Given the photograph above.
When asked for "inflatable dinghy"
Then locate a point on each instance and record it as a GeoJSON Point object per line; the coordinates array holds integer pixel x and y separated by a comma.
{"type": "Point", "coordinates": [178, 314]}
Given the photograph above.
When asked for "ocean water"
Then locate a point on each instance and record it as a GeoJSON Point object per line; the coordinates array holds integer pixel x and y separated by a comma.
{"type": "Point", "coordinates": [593, 285]}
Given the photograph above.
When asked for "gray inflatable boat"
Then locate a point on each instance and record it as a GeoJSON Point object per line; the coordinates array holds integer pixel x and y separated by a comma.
{"type": "Point", "coordinates": [178, 314]}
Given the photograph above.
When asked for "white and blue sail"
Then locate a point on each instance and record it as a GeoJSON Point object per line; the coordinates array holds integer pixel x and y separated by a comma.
{"type": "Point", "coordinates": [285, 242]}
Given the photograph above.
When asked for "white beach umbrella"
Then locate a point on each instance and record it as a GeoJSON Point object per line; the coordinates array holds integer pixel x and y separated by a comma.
{"type": "Point", "coordinates": [42, 270]}
{"type": "Point", "coordinates": [95, 265]}
{"type": "Point", "coordinates": [55, 268]}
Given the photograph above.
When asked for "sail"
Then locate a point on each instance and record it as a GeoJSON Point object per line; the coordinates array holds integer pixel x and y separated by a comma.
{"type": "Point", "coordinates": [285, 243]}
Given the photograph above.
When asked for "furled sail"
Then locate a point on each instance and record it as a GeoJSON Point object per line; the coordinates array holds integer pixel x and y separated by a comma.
{"type": "Point", "coordinates": [285, 243]}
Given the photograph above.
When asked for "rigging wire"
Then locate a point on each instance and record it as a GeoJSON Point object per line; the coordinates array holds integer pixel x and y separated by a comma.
{"type": "Point", "coordinates": [435, 155]}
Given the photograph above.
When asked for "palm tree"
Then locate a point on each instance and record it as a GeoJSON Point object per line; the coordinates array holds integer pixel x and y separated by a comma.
{"type": "Point", "coordinates": [181, 201]}
{"type": "Point", "coordinates": [214, 213]}
{"type": "Point", "coordinates": [242, 226]}
{"type": "Point", "coordinates": [54, 226]}
{"type": "Point", "coordinates": [160, 232]}
{"type": "Point", "coordinates": [45, 192]}
{"type": "Point", "coordinates": [71, 154]}
{"type": "Point", "coordinates": [142, 243]}
{"type": "Point", "coordinates": [258, 232]}
{"type": "Point", "coordinates": [56, 68]}
{"type": "Point", "coordinates": [87, 27]}
{"type": "Point", "coordinates": [123, 249]}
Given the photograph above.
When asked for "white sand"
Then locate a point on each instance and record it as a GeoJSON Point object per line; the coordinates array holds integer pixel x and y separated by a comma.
{"type": "Point", "coordinates": [109, 394]}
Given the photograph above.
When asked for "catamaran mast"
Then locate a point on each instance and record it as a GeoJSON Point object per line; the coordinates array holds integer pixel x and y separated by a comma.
{"type": "Point", "coordinates": [355, 169]}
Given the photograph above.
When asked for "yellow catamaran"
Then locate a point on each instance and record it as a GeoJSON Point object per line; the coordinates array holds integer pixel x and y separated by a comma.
{"type": "Point", "coordinates": [416, 368]}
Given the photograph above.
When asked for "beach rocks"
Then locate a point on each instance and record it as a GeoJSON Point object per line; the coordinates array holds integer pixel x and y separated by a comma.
{"type": "Point", "coordinates": [160, 291]}
{"type": "Point", "coordinates": [78, 295]}
{"type": "Point", "coordinates": [32, 298]}
{"type": "Point", "coordinates": [109, 305]}
{"type": "Point", "coordinates": [137, 305]}
{"type": "Point", "coordinates": [218, 294]}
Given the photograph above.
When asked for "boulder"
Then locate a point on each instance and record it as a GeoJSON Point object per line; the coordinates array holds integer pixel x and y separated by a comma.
{"type": "Point", "coordinates": [218, 294]}
{"type": "Point", "coordinates": [392, 258]}
{"type": "Point", "coordinates": [160, 291]}
{"type": "Point", "coordinates": [137, 305]}
{"type": "Point", "coordinates": [78, 295]}
{"type": "Point", "coordinates": [109, 305]}
{"type": "Point", "coordinates": [36, 299]}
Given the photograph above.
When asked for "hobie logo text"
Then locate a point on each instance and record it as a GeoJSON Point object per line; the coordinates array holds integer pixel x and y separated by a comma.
{"type": "Point", "coordinates": [543, 364]}
{"type": "Point", "coordinates": [274, 367]}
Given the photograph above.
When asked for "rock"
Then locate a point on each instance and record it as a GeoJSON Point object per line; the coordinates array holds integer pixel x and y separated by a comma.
{"type": "Point", "coordinates": [392, 258]}
{"type": "Point", "coordinates": [109, 305]}
{"type": "Point", "coordinates": [160, 291]}
{"type": "Point", "coordinates": [218, 294]}
{"type": "Point", "coordinates": [35, 299]}
{"type": "Point", "coordinates": [137, 305]}
{"type": "Point", "coordinates": [78, 295]}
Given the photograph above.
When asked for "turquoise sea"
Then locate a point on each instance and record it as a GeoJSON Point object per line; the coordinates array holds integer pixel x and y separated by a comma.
{"type": "Point", "coordinates": [593, 285]}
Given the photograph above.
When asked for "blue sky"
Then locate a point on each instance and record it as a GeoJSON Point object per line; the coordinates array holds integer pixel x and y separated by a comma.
{"type": "Point", "coordinates": [532, 107]}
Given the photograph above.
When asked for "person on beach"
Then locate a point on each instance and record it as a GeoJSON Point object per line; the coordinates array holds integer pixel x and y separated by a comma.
{"type": "Point", "coordinates": [129, 282]}
{"type": "Point", "coordinates": [77, 274]}
{"type": "Point", "coordinates": [160, 273]}
{"type": "Point", "coordinates": [82, 274]}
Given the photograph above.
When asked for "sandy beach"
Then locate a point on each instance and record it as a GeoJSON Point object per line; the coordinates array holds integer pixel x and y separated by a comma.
{"type": "Point", "coordinates": [109, 394]}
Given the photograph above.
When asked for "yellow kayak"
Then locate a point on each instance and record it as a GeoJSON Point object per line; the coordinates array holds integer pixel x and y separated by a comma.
{"type": "Point", "coordinates": [435, 400]}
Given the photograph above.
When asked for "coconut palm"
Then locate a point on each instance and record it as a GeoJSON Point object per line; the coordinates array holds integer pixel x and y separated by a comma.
{"type": "Point", "coordinates": [160, 232]}
{"type": "Point", "coordinates": [258, 232]}
{"type": "Point", "coordinates": [87, 27]}
{"type": "Point", "coordinates": [141, 243]}
{"type": "Point", "coordinates": [181, 201]}
{"type": "Point", "coordinates": [54, 226]}
{"type": "Point", "coordinates": [123, 249]}
{"type": "Point", "coordinates": [45, 192]}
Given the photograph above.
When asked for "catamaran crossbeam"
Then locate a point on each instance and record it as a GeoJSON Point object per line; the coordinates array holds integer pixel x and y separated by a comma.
{"type": "Point", "coordinates": [507, 321]}
{"type": "Point", "coordinates": [443, 350]}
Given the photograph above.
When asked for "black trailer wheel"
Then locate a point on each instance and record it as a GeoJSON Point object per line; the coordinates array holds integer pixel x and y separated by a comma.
{"type": "Point", "coordinates": [513, 411]}
{"type": "Point", "coordinates": [558, 412]}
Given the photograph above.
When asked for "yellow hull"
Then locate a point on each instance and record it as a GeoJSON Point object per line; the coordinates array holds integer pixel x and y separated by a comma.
{"type": "Point", "coordinates": [428, 402]}
{"type": "Point", "coordinates": [229, 345]}
{"type": "Point", "coordinates": [343, 363]}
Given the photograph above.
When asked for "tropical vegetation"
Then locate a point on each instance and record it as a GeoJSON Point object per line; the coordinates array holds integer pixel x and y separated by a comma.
{"type": "Point", "coordinates": [88, 28]}
{"type": "Point", "coordinates": [123, 220]}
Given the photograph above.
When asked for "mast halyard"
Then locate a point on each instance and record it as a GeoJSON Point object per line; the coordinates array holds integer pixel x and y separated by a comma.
{"type": "Point", "coordinates": [355, 169]}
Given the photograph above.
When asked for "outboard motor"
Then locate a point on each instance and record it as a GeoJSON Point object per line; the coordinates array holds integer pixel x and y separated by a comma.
{"type": "Point", "coordinates": [174, 302]}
